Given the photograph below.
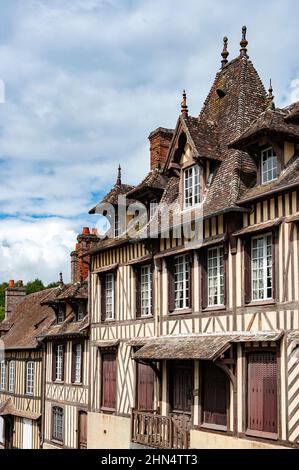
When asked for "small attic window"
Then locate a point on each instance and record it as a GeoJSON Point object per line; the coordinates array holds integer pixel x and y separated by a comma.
{"type": "Point", "coordinates": [221, 93]}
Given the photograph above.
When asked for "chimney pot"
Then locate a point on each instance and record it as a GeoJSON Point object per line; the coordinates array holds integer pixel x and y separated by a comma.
{"type": "Point", "coordinates": [77, 246]}
{"type": "Point", "coordinates": [94, 231]}
{"type": "Point", "coordinates": [11, 283]}
{"type": "Point", "coordinates": [85, 231]}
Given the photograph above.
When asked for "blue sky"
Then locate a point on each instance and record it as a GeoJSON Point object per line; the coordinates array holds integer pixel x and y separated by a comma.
{"type": "Point", "coordinates": [87, 80]}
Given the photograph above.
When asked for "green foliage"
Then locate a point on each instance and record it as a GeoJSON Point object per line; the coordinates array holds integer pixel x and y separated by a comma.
{"type": "Point", "coordinates": [2, 313]}
{"type": "Point", "coordinates": [34, 286]}
{"type": "Point", "coordinates": [52, 284]}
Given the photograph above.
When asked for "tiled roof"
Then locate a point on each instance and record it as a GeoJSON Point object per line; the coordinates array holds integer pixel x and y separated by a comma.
{"type": "Point", "coordinates": [155, 181]}
{"type": "Point", "coordinates": [112, 196]}
{"type": "Point", "coordinates": [67, 291]}
{"type": "Point", "coordinates": [29, 320]}
{"type": "Point", "coordinates": [68, 328]}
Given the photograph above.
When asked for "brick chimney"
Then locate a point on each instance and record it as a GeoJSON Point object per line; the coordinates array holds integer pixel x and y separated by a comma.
{"type": "Point", "coordinates": [159, 144]}
{"type": "Point", "coordinates": [14, 295]}
{"type": "Point", "coordinates": [79, 266]}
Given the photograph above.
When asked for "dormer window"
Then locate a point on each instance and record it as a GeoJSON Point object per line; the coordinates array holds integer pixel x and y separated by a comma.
{"type": "Point", "coordinates": [191, 186]}
{"type": "Point", "coordinates": [153, 207]}
{"type": "Point", "coordinates": [80, 312]}
{"type": "Point", "coordinates": [116, 224]}
{"type": "Point", "coordinates": [61, 314]}
{"type": "Point", "coordinates": [268, 165]}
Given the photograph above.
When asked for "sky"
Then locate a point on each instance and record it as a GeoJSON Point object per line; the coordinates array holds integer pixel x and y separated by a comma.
{"type": "Point", "coordinates": [86, 81]}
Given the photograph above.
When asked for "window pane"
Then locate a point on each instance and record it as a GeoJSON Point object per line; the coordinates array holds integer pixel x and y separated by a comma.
{"type": "Point", "coordinates": [57, 423]}
{"type": "Point", "coordinates": [261, 267]}
{"type": "Point", "coordinates": [268, 165]}
{"type": "Point", "coordinates": [146, 290]}
{"type": "Point", "coordinates": [192, 186]}
{"type": "Point", "coordinates": [78, 361]}
{"type": "Point", "coordinates": [30, 378]}
{"type": "Point", "coordinates": [215, 276]}
{"type": "Point", "coordinates": [109, 286]}
{"type": "Point", "coordinates": [181, 282]}
{"type": "Point", "coordinates": [59, 362]}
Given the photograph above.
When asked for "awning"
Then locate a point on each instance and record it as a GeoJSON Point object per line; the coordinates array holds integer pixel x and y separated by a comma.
{"type": "Point", "coordinates": [292, 218]}
{"type": "Point", "coordinates": [106, 269]}
{"type": "Point", "coordinates": [7, 408]}
{"type": "Point", "coordinates": [137, 342]}
{"type": "Point", "coordinates": [258, 227]}
{"type": "Point", "coordinates": [107, 343]}
{"type": "Point", "coordinates": [201, 346]}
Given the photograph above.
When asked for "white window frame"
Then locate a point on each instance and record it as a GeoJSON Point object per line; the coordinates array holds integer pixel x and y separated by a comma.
{"type": "Point", "coordinates": [181, 282]}
{"type": "Point", "coordinates": [59, 353]}
{"type": "Point", "coordinates": [80, 312]}
{"type": "Point", "coordinates": [2, 374]}
{"type": "Point", "coordinates": [215, 280]}
{"type": "Point", "coordinates": [109, 296]}
{"type": "Point", "coordinates": [11, 376]}
{"type": "Point", "coordinates": [57, 427]}
{"type": "Point", "coordinates": [146, 290]}
{"type": "Point", "coordinates": [29, 378]}
{"type": "Point", "coordinates": [78, 363]}
{"type": "Point", "coordinates": [264, 268]}
{"type": "Point", "coordinates": [268, 153]}
{"type": "Point", "coordinates": [153, 207]}
{"type": "Point", "coordinates": [116, 224]}
{"type": "Point", "coordinates": [190, 174]}
{"type": "Point", "coordinates": [61, 314]}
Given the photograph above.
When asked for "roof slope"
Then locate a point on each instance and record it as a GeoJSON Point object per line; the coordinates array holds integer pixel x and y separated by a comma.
{"type": "Point", "coordinates": [29, 320]}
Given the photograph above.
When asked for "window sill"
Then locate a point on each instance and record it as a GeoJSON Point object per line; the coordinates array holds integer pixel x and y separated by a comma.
{"type": "Point", "coordinates": [213, 427]}
{"type": "Point", "coordinates": [77, 384]}
{"type": "Point", "coordinates": [212, 308]}
{"type": "Point", "coordinates": [61, 382]}
{"type": "Point", "coordinates": [105, 409]}
{"type": "Point", "coordinates": [255, 303]}
{"type": "Point", "coordinates": [263, 434]}
{"type": "Point", "coordinates": [144, 317]}
{"type": "Point", "coordinates": [180, 311]}
{"type": "Point", "coordinates": [57, 442]}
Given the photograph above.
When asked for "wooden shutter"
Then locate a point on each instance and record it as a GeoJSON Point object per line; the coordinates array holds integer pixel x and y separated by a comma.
{"type": "Point", "coordinates": [145, 390]}
{"type": "Point", "coordinates": [170, 270]}
{"type": "Point", "coordinates": [109, 380]}
{"type": "Point", "coordinates": [262, 392]}
{"type": "Point", "coordinates": [153, 289]}
{"type": "Point", "coordinates": [54, 356]}
{"type": "Point", "coordinates": [181, 386]}
{"type": "Point", "coordinates": [73, 366]}
{"type": "Point", "coordinates": [103, 297]}
{"type": "Point", "coordinates": [204, 277]}
{"type": "Point", "coordinates": [214, 407]}
{"type": "Point", "coordinates": [274, 243]}
{"type": "Point", "coordinates": [247, 269]}
{"type": "Point", "coordinates": [190, 293]}
{"type": "Point", "coordinates": [138, 291]}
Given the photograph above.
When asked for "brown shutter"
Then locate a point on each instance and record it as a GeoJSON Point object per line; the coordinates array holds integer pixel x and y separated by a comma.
{"type": "Point", "coordinates": [103, 298]}
{"type": "Point", "coordinates": [204, 277]}
{"type": "Point", "coordinates": [262, 392]}
{"type": "Point", "coordinates": [274, 244]}
{"type": "Point", "coordinates": [214, 408]}
{"type": "Point", "coordinates": [171, 269]}
{"type": "Point", "coordinates": [247, 269]}
{"type": "Point", "coordinates": [190, 293]}
{"type": "Point", "coordinates": [153, 289]}
{"type": "Point", "coordinates": [73, 366]}
{"type": "Point", "coordinates": [109, 380]}
{"type": "Point", "coordinates": [54, 354]}
{"type": "Point", "coordinates": [138, 291]}
{"type": "Point", "coordinates": [145, 390]}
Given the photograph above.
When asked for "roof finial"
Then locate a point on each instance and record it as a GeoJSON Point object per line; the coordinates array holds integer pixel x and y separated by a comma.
{"type": "Point", "coordinates": [224, 52]}
{"type": "Point", "coordinates": [243, 43]}
{"type": "Point", "coordinates": [60, 280]}
{"type": "Point", "coordinates": [184, 107]}
{"type": "Point", "coordinates": [270, 91]}
{"type": "Point", "coordinates": [118, 181]}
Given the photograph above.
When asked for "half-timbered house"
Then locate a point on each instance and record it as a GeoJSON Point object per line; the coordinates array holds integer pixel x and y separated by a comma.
{"type": "Point", "coordinates": [67, 357]}
{"type": "Point", "coordinates": [193, 333]}
{"type": "Point", "coordinates": [21, 367]}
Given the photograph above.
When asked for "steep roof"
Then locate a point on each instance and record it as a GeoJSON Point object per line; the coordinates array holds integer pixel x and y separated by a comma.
{"type": "Point", "coordinates": [154, 181]}
{"type": "Point", "coordinates": [112, 196]}
{"type": "Point", "coordinates": [29, 320]}
{"type": "Point", "coordinates": [67, 291]}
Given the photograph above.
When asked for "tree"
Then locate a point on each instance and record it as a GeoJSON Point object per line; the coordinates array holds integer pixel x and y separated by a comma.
{"type": "Point", "coordinates": [34, 286]}
{"type": "Point", "coordinates": [3, 286]}
{"type": "Point", "coordinates": [52, 284]}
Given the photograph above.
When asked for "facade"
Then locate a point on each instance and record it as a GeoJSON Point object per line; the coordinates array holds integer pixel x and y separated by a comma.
{"type": "Point", "coordinates": [21, 368]}
{"type": "Point", "coordinates": [67, 357]}
{"type": "Point", "coordinates": [193, 336]}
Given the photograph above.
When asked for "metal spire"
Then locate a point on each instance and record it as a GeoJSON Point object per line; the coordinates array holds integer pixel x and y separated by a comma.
{"type": "Point", "coordinates": [184, 107]}
{"type": "Point", "coordinates": [118, 181]}
{"type": "Point", "coordinates": [243, 43]}
{"type": "Point", "coordinates": [224, 52]}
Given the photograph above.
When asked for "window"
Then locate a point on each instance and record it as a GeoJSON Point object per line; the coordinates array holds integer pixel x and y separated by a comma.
{"type": "Point", "coordinates": [109, 381]}
{"type": "Point", "coordinates": [11, 376]}
{"type": "Point", "coordinates": [29, 378]}
{"type": "Point", "coordinates": [80, 312]}
{"type": "Point", "coordinates": [58, 363]}
{"type": "Point", "coordinates": [191, 186]}
{"type": "Point", "coordinates": [215, 397]}
{"type": "Point", "coordinates": [181, 386]}
{"type": "Point", "coordinates": [181, 282]}
{"type": "Point", "coordinates": [146, 290]}
{"type": "Point", "coordinates": [61, 314]}
{"type": "Point", "coordinates": [215, 276]}
{"type": "Point", "coordinates": [2, 375]}
{"type": "Point", "coordinates": [77, 363]}
{"type": "Point", "coordinates": [57, 425]}
{"type": "Point", "coordinates": [153, 207]}
{"type": "Point", "coordinates": [109, 291]}
{"type": "Point", "coordinates": [261, 267]}
{"type": "Point", "coordinates": [262, 394]}
{"type": "Point", "coordinates": [268, 165]}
